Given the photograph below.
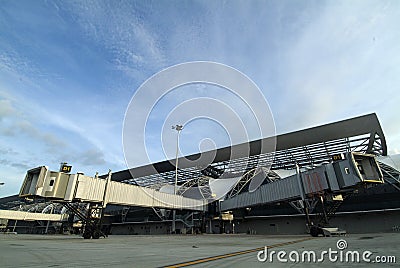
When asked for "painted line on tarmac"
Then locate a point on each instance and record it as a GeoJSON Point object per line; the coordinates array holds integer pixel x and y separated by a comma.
{"type": "Point", "coordinates": [223, 256]}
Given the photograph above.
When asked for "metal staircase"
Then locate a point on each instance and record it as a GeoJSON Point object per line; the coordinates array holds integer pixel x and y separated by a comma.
{"type": "Point", "coordinates": [328, 211]}
{"type": "Point", "coordinates": [91, 219]}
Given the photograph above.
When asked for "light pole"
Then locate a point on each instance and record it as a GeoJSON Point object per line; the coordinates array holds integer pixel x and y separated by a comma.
{"type": "Point", "coordinates": [1, 183]}
{"type": "Point", "coordinates": [178, 128]}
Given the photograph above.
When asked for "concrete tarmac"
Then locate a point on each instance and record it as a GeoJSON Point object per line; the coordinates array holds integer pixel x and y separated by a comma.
{"type": "Point", "coordinates": [198, 251]}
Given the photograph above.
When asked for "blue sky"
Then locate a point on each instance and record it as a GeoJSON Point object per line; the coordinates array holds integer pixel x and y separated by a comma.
{"type": "Point", "coordinates": [68, 70]}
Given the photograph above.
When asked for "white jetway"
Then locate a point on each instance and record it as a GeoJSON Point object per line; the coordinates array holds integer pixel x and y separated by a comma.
{"type": "Point", "coordinates": [70, 189]}
{"type": "Point", "coordinates": [348, 172]}
{"type": "Point", "coordinates": [31, 216]}
{"type": "Point", "coordinates": [62, 187]}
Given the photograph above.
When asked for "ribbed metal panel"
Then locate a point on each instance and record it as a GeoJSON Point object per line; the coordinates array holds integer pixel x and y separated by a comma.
{"type": "Point", "coordinates": [30, 216]}
{"type": "Point", "coordinates": [272, 192]}
{"type": "Point", "coordinates": [254, 197]}
{"type": "Point", "coordinates": [280, 190]}
{"type": "Point", "coordinates": [164, 200]}
{"type": "Point", "coordinates": [125, 194]}
{"type": "Point", "coordinates": [90, 189]}
{"type": "Point", "coordinates": [229, 203]}
{"type": "Point", "coordinates": [243, 200]}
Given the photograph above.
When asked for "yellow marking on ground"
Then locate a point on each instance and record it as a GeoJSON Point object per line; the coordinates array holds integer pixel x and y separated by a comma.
{"type": "Point", "coordinates": [218, 257]}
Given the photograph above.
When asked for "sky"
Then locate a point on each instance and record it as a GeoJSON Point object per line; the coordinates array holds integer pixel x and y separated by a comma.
{"type": "Point", "coordinates": [69, 69]}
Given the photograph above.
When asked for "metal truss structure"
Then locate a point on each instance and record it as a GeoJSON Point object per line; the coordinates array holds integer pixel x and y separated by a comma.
{"type": "Point", "coordinates": [202, 184]}
{"type": "Point", "coordinates": [269, 176]}
{"type": "Point", "coordinates": [307, 148]}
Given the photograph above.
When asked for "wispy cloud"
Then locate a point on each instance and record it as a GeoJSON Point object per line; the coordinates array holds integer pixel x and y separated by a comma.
{"type": "Point", "coordinates": [6, 109]}
{"type": "Point", "coordinates": [18, 165]}
{"type": "Point", "coordinates": [132, 44]}
{"type": "Point", "coordinates": [92, 157]}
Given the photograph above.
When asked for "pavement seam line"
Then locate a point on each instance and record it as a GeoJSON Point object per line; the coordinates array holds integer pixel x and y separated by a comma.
{"type": "Point", "coordinates": [227, 255]}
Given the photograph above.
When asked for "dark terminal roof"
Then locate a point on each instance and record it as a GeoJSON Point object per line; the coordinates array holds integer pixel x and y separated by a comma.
{"type": "Point", "coordinates": [306, 147]}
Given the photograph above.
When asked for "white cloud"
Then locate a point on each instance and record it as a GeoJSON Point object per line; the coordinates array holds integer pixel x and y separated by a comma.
{"type": "Point", "coordinates": [15, 124]}
{"type": "Point", "coordinates": [117, 27]}
{"type": "Point", "coordinates": [92, 157]}
{"type": "Point", "coordinates": [6, 109]}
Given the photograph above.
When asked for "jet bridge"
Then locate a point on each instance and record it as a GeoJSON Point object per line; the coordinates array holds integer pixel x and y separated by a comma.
{"type": "Point", "coordinates": [30, 216]}
{"type": "Point", "coordinates": [348, 172]}
{"type": "Point", "coordinates": [71, 189]}
{"type": "Point", "coordinates": [62, 187]}
{"type": "Point", "coordinates": [327, 184]}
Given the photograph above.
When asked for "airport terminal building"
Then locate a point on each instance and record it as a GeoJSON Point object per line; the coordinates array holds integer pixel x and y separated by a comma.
{"type": "Point", "coordinates": [337, 175]}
